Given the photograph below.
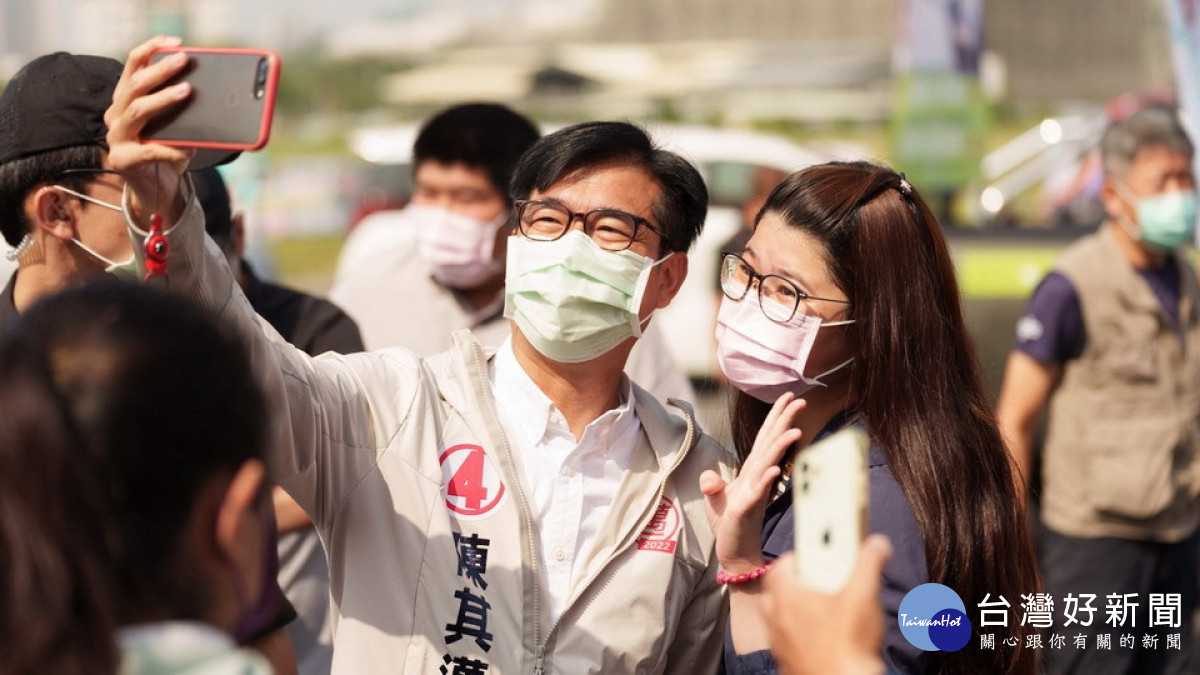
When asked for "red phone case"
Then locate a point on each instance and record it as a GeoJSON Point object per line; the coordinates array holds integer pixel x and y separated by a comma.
{"type": "Point", "coordinates": [216, 115]}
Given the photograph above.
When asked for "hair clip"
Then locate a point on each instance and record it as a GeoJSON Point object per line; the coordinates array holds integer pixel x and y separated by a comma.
{"type": "Point", "coordinates": [905, 186]}
{"type": "Point", "coordinates": [21, 249]}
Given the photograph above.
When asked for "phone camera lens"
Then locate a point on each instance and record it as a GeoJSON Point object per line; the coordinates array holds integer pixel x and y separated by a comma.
{"type": "Point", "coordinates": [260, 79]}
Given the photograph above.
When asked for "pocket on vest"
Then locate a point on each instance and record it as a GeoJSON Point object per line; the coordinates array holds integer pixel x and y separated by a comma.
{"type": "Point", "coordinates": [1135, 364]}
{"type": "Point", "coordinates": [1131, 477]}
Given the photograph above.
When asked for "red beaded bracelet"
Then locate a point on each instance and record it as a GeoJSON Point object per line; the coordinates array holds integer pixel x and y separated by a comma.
{"type": "Point", "coordinates": [724, 577]}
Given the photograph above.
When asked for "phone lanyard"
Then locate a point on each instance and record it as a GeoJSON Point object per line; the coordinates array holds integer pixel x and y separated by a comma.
{"type": "Point", "coordinates": [157, 248]}
{"type": "Point", "coordinates": [156, 245]}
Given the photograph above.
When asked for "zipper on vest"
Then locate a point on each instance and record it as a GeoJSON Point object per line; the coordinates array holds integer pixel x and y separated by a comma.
{"type": "Point", "coordinates": [539, 666]}
{"type": "Point", "coordinates": [481, 367]}
{"type": "Point", "coordinates": [688, 441]}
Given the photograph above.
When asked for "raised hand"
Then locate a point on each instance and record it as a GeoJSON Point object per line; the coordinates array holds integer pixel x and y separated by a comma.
{"type": "Point", "coordinates": [736, 509]}
{"type": "Point", "coordinates": [152, 172]}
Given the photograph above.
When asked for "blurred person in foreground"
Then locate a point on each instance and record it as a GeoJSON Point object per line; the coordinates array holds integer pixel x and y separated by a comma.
{"type": "Point", "coordinates": [60, 208]}
{"type": "Point", "coordinates": [410, 278]}
{"type": "Point", "coordinates": [314, 326]}
{"type": "Point", "coordinates": [124, 540]}
{"type": "Point", "coordinates": [1111, 342]}
{"type": "Point", "coordinates": [815, 633]}
{"type": "Point", "coordinates": [57, 610]}
{"type": "Point", "coordinates": [528, 510]}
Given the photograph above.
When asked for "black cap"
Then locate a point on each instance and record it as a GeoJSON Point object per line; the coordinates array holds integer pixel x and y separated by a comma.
{"type": "Point", "coordinates": [214, 199]}
{"type": "Point", "coordinates": [56, 101]}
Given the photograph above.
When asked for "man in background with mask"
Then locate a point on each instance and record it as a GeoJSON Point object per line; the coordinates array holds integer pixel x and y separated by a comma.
{"type": "Point", "coordinates": [60, 209]}
{"type": "Point", "coordinates": [528, 510]}
{"type": "Point", "coordinates": [1111, 339]}
{"type": "Point", "coordinates": [411, 278]}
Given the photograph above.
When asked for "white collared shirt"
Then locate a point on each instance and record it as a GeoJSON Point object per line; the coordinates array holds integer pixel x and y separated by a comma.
{"type": "Point", "coordinates": [570, 484]}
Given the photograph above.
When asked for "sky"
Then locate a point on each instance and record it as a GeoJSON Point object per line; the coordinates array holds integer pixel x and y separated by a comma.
{"type": "Point", "coordinates": [318, 16]}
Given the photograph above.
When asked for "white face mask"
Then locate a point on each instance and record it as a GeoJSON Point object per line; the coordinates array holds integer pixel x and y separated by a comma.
{"type": "Point", "coordinates": [127, 267]}
{"type": "Point", "coordinates": [573, 300]}
{"type": "Point", "coordinates": [458, 248]}
{"type": "Point", "coordinates": [764, 358]}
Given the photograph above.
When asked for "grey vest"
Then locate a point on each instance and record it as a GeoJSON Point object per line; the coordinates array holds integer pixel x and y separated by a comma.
{"type": "Point", "coordinates": [1121, 449]}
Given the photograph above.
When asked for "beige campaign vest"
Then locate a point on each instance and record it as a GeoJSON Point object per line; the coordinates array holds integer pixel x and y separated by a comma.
{"type": "Point", "coordinates": [447, 488]}
{"type": "Point", "coordinates": [404, 467]}
{"type": "Point", "coordinates": [1120, 456]}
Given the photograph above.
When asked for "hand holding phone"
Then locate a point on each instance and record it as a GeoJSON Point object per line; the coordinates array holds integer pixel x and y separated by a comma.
{"type": "Point", "coordinates": [812, 632]}
{"type": "Point", "coordinates": [829, 493]}
{"type": "Point", "coordinates": [231, 104]}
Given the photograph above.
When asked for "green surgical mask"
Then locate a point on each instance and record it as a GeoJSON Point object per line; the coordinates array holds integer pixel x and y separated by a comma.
{"type": "Point", "coordinates": [1166, 221]}
{"type": "Point", "coordinates": [573, 300]}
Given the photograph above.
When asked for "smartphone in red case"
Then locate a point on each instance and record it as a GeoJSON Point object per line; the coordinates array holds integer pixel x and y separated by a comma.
{"type": "Point", "coordinates": [231, 104]}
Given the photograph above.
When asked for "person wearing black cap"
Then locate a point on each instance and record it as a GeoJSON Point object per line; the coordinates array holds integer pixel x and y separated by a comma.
{"type": "Point", "coordinates": [61, 211]}
{"type": "Point", "coordinates": [315, 326]}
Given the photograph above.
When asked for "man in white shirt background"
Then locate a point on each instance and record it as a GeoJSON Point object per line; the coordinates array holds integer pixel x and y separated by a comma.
{"type": "Point", "coordinates": [445, 252]}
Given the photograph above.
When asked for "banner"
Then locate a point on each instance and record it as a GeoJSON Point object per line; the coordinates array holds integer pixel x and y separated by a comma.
{"type": "Point", "coordinates": [1183, 26]}
{"type": "Point", "coordinates": [939, 118]}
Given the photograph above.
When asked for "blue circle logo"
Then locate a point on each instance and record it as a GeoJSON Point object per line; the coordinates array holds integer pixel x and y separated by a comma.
{"type": "Point", "coordinates": [932, 617]}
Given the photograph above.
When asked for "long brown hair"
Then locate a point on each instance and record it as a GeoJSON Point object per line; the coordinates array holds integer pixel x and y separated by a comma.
{"type": "Point", "coordinates": [57, 612]}
{"type": "Point", "coordinates": [916, 383]}
{"type": "Point", "coordinates": [98, 484]}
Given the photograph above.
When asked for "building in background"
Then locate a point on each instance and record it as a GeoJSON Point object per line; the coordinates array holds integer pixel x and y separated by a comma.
{"type": "Point", "coordinates": [1078, 50]}
{"type": "Point", "coordinates": [768, 55]}
{"type": "Point", "coordinates": [29, 28]}
{"type": "Point", "coordinates": [681, 20]}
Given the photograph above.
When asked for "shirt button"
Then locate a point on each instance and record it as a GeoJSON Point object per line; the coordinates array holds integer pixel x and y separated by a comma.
{"type": "Point", "coordinates": [560, 555]}
{"type": "Point", "coordinates": [569, 472]}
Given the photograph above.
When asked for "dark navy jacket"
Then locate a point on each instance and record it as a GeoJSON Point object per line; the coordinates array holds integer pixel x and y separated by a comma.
{"type": "Point", "coordinates": [889, 513]}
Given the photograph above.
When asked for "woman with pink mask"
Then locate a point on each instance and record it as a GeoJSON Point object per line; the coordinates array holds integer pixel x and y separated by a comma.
{"type": "Point", "coordinates": [843, 310]}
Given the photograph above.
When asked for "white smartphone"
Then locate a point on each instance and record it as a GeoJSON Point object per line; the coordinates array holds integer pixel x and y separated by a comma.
{"type": "Point", "coordinates": [829, 496]}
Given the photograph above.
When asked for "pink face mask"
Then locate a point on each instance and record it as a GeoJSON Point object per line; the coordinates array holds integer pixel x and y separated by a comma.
{"type": "Point", "coordinates": [763, 358]}
{"type": "Point", "coordinates": [457, 248]}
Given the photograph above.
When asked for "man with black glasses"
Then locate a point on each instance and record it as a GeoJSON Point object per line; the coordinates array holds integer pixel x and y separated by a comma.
{"type": "Point", "coordinates": [530, 510]}
{"type": "Point", "coordinates": [445, 252]}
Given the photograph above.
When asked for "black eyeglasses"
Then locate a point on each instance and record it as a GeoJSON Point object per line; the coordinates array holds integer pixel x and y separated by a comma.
{"type": "Point", "coordinates": [779, 298]}
{"type": "Point", "coordinates": [611, 229]}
